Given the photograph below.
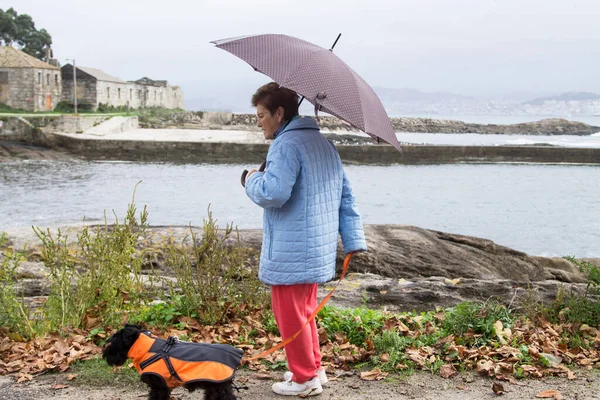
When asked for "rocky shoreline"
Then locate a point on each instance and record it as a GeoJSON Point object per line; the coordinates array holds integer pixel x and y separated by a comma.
{"type": "Point", "coordinates": [550, 126]}
{"type": "Point", "coordinates": [407, 268]}
{"type": "Point", "coordinates": [233, 138]}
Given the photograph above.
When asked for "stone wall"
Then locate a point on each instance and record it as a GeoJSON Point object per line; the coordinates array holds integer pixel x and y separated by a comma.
{"type": "Point", "coordinates": [86, 93]}
{"type": "Point", "coordinates": [33, 89]}
{"type": "Point", "coordinates": [74, 124]}
{"type": "Point", "coordinates": [17, 129]}
{"type": "Point", "coordinates": [159, 96]}
{"type": "Point", "coordinates": [116, 94]}
{"type": "Point", "coordinates": [16, 87]}
{"type": "Point", "coordinates": [255, 153]}
{"type": "Point", "coordinates": [92, 93]}
{"type": "Point", "coordinates": [47, 89]}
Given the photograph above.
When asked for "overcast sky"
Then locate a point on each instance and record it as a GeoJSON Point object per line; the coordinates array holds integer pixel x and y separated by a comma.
{"type": "Point", "coordinates": [470, 47]}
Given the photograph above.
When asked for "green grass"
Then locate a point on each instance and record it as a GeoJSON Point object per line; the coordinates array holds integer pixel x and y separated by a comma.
{"type": "Point", "coordinates": [358, 324]}
{"type": "Point", "coordinates": [95, 372]}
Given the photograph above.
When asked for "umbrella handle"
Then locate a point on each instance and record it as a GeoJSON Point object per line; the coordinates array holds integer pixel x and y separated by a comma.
{"type": "Point", "coordinates": [245, 172]}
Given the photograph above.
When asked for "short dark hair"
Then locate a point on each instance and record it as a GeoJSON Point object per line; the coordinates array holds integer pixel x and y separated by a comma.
{"type": "Point", "coordinates": [272, 96]}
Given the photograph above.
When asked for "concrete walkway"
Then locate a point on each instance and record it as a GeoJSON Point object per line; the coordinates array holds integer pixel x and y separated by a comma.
{"type": "Point", "coordinates": [174, 135]}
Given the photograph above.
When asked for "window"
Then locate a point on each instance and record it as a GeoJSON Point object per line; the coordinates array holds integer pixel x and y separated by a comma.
{"type": "Point", "coordinates": [40, 78]}
{"type": "Point", "coordinates": [48, 79]}
{"type": "Point", "coordinates": [155, 95]}
{"type": "Point", "coordinates": [56, 79]}
{"type": "Point", "coordinates": [130, 94]}
{"type": "Point", "coordinates": [3, 77]}
{"type": "Point", "coordinates": [119, 93]}
{"type": "Point", "coordinates": [108, 93]}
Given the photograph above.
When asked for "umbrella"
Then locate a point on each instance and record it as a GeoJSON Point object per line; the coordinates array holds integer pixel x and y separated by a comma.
{"type": "Point", "coordinates": [318, 75]}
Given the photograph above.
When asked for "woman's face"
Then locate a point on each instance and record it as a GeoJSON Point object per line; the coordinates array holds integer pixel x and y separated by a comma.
{"type": "Point", "coordinates": [269, 122]}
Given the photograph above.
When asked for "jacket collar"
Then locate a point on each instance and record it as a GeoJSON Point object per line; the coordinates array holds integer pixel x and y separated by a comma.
{"type": "Point", "coordinates": [297, 123]}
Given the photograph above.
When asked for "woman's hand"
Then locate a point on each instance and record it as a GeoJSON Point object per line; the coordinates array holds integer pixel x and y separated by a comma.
{"type": "Point", "coordinates": [250, 173]}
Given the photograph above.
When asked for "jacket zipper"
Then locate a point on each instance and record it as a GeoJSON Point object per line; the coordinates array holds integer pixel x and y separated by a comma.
{"type": "Point", "coordinates": [270, 242]}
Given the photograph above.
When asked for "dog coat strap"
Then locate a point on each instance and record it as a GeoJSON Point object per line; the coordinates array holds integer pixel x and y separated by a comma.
{"type": "Point", "coordinates": [171, 340]}
{"type": "Point", "coordinates": [171, 369]}
{"type": "Point", "coordinates": [151, 360]}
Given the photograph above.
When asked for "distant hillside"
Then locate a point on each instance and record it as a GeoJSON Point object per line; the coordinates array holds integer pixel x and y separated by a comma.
{"type": "Point", "coordinates": [413, 95]}
{"type": "Point", "coordinates": [570, 96]}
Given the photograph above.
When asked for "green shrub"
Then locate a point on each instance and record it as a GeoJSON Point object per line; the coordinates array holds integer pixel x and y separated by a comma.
{"type": "Point", "coordinates": [98, 279]}
{"type": "Point", "coordinates": [592, 274]}
{"type": "Point", "coordinates": [216, 280]}
{"type": "Point", "coordinates": [14, 315]}
{"type": "Point", "coordinates": [570, 306]}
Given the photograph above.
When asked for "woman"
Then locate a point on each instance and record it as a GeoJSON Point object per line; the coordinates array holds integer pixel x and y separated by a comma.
{"type": "Point", "coordinates": [307, 200]}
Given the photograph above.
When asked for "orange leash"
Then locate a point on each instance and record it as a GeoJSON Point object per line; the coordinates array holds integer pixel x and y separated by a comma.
{"type": "Point", "coordinates": [312, 316]}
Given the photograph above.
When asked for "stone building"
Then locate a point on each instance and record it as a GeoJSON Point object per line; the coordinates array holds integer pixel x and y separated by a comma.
{"type": "Point", "coordinates": [158, 94]}
{"type": "Point", "coordinates": [95, 87]}
{"type": "Point", "coordinates": [28, 83]}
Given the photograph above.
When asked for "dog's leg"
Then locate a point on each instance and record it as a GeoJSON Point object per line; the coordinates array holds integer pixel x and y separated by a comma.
{"type": "Point", "coordinates": [219, 391]}
{"type": "Point", "coordinates": [213, 391]}
{"type": "Point", "coordinates": [158, 389]}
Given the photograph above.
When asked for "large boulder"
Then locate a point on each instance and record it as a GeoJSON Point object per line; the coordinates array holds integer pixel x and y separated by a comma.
{"type": "Point", "coordinates": [402, 251]}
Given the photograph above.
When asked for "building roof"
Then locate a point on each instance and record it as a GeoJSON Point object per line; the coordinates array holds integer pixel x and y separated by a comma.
{"type": "Point", "coordinates": [100, 75]}
{"type": "Point", "coordinates": [13, 58]}
{"type": "Point", "coordinates": [151, 82]}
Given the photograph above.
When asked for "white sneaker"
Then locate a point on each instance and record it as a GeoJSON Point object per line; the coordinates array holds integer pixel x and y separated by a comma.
{"type": "Point", "coordinates": [320, 373]}
{"type": "Point", "coordinates": [291, 388]}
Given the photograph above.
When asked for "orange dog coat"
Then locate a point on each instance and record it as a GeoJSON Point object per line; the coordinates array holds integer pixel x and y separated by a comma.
{"type": "Point", "coordinates": [179, 362]}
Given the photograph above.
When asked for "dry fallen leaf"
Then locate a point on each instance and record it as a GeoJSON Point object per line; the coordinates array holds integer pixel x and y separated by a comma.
{"type": "Point", "coordinates": [498, 389]}
{"type": "Point", "coordinates": [354, 386]}
{"type": "Point", "coordinates": [24, 378]}
{"type": "Point", "coordinates": [59, 386]}
{"type": "Point", "coordinates": [448, 370]}
{"type": "Point", "coordinates": [263, 376]}
{"type": "Point", "coordinates": [374, 375]}
{"type": "Point", "coordinates": [503, 335]}
{"type": "Point", "coordinates": [70, 377]}
{"type": "Point", "coordinates": [550, 394]}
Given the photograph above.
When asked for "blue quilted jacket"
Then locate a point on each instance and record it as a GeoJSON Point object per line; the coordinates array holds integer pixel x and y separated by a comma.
{"type": "Point", "coordinates": [307, 200]}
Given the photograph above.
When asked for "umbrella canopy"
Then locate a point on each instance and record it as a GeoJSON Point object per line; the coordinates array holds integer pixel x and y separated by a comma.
{"type": "Point", "coordinates": [318, 75]}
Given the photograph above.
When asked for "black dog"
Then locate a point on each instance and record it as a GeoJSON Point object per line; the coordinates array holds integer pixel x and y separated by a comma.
{"type": "Point", "coordinates": [165, 364]}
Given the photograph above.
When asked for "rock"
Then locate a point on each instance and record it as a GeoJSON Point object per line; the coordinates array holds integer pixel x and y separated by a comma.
{"type": "Point", "coordinates": [406, 268]}
{"type": "Point", "coordinates": [401, 251]}
{"type": "Point", "coordinates": [423, 294]}
{"type": "Point", "coordinates": [550, 126]}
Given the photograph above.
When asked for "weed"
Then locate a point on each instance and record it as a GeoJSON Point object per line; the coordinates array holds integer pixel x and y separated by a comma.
{"type": "Point", "coordinates": [474, 322]}
{"type": "Point", "coordinates": [358, 324]}
{"type": "Point", "coordinates": [216, 280]}
{"type": "Point", "coordinates": [14, 314]}
{"type": "Point", "coordinates": [98, 279]}
{"type": "Point", "coordinates": [95, 372]}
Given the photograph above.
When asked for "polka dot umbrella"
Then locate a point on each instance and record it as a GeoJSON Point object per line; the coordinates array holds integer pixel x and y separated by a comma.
{"type": "Point", "coordinates": [318, 75]}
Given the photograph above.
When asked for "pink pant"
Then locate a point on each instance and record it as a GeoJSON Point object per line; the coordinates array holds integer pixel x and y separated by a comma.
{"type": "Point", "coordinates": [292, 305]}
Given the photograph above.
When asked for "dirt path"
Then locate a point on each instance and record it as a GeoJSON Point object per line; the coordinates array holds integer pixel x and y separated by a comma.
{"type": "Point", "coordinates": [419, 386]}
